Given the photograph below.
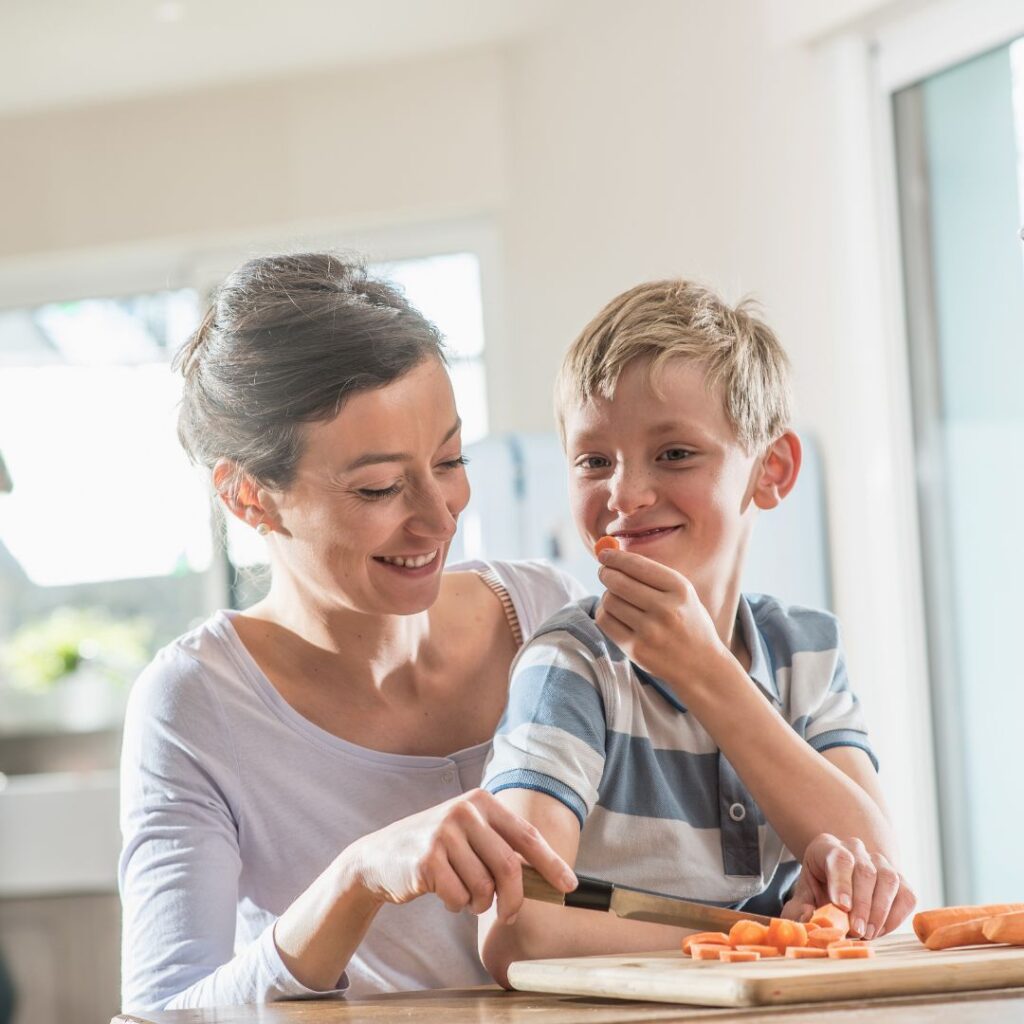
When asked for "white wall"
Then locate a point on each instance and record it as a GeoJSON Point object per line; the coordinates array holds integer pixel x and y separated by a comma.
{"type": "Point", "coordinates": [660, 137]}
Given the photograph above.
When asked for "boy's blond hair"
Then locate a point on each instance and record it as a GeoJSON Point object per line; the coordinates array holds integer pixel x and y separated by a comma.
{"type": "Point", "coordinates": [661, 320]}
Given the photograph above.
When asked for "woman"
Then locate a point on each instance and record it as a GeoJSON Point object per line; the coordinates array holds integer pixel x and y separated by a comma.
{"type": "Point", "coordinates": [293, 772]}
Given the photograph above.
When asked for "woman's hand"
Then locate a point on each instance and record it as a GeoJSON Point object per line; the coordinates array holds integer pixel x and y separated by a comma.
{"type": "Point", "coordinates": [467, 851]}
{"type": "Point", "coordinates": [846, 873]}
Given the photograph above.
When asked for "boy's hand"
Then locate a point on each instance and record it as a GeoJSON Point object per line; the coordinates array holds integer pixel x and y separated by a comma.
{"type": "Point", "coordinates": [653, 613]}
{"type": "Point", "coordinates": [847, 874]}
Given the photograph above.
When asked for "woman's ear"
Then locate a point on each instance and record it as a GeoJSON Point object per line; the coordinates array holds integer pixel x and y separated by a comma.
{"type": "Point", "coordinates": [779, 469]}
{"type": "Point", "coordinates": [243, 497]}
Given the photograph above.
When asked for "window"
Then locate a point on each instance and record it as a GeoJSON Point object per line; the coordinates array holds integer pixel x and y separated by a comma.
{"type": "Point", "coordinates": [960, 148]}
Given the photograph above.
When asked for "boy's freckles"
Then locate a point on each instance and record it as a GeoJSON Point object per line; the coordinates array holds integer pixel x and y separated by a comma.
{"type": "Point", "coordinates": [658, 465]}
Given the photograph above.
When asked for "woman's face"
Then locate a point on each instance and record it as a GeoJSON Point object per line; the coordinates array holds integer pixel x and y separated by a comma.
{"type": "Point", "coordinates": [367, 523]}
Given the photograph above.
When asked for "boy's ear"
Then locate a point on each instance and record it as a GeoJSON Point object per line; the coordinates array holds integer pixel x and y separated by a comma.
{"type": "Point", "coordinates": [780, 467]}
{"type": "Point", "coordinates": [243, 497]}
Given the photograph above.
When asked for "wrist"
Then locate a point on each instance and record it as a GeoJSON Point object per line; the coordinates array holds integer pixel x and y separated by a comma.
{"type": "Point", "coordinates": [351, 882]}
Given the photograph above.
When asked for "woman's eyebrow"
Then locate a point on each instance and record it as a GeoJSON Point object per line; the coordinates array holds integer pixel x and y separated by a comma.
{"type": "Point", "coordinates": [373, 458]}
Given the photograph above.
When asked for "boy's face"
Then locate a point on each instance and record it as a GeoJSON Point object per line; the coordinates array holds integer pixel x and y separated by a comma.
{"type": "Point", "coordinates": [662, 470]}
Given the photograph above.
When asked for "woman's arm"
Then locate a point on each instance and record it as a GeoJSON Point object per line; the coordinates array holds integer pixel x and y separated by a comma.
{"type": "Point", "coordinates": [544, 930]}
{"type": "Point", "coordinates": [181, 863]}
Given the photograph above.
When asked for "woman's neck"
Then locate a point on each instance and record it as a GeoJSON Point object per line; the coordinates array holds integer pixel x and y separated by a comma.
{"type": "Point", "coordinates": [363, 646]}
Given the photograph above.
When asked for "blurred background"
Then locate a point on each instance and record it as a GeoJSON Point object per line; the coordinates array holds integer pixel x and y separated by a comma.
{"type": "Point", "coordinates": [856, 165]}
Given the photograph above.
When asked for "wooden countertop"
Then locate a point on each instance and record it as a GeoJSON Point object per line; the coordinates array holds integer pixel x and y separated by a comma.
{"type": "Point", "coordinates": [493, 1006]}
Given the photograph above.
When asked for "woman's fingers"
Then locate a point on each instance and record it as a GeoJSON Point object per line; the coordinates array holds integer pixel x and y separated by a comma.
{"type": "Point", "coordinates": [444, 882]}
{"type": "Point", "coordinates": [526, 840]}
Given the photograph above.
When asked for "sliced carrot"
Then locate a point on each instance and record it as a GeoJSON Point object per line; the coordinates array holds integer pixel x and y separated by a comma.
{"type": "Point", "coordinates": [707, 950]}
{"type": "Point", "coordinates": [811, 926]}
{"type": "Point", "coordinates": [926, 921]}
{"type": "Point", "coordinates": [959, 933]}
{"type": "Point", "coordinates": [843, 943]}
{"type": "Point", "coordinates": [1005, 928]}
{"type": "Point", "coordinates": [805, 953]}
{"type": "Point", "coordinates": [860, 951]}
{"type": "Point", "coordinates": [736, 956]}
{"type": "Point", "coordinates": [783, 933]}
{"type": "Point", "coordinates": [765, 951]}
{"type": "Point", "coordinates": [717, 938]}
{"type": "Point", "coordinates": [606, 544]}
{"type": "Point", "coordinates": [747, 933]}
{"type": "Point", "coordinates": [831, 916]}
{"type": "Point", "coordinates": [821, 937]}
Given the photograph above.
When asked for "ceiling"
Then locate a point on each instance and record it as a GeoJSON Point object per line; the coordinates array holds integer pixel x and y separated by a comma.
{"type": "Point", "coordinates": [55, 53]}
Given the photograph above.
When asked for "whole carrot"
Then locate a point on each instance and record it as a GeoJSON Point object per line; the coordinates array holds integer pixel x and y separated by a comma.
{"type": "Point", "coordinates": [1005, 928]}
{"type": "Point", "coordinates": [959, 933]}
{"type": "Point", "coordinates": [927, 921]}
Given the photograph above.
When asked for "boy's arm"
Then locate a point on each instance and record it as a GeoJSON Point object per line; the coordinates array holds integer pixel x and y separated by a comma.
{"type": "Point", "coordinates": [544, 930]}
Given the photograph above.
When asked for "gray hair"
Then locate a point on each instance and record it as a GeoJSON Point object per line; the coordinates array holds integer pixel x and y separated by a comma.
{"type": "Point", "coordinates": [286, 341]}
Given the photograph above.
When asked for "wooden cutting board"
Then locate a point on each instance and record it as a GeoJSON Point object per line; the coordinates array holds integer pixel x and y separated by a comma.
{"type": "Point", "coordinates": [901, 966]}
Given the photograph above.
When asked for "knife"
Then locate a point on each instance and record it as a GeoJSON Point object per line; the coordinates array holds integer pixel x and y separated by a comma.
{"type": "Point", "coordinates": [635, 904]}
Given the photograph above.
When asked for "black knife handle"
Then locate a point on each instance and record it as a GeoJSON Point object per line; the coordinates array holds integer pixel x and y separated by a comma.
{"type": "Point", "coordinates": [590, 894]}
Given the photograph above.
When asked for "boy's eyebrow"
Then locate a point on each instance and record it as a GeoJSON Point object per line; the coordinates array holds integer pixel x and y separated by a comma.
{"type": "Point", "coordinates": [372, 458]}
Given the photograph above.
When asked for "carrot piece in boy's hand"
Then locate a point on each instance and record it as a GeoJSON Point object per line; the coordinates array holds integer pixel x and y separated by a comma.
{"type": "Point", "coordinates": [784, 933]}
{"type": "Point", "coordinates": [606, 543]}
{"type": "Point", "coordinates": [831, 916]}
{"type": "Point", "coordinates": [859, 951]}
{"type": "Point", "coordinates": [821, 938]}
{"type": "Point", "coordinates": [737, 956]}
{"type": "Point", "coordinates": [716, 938]}
{"type": "Point", "coordinates": [765, 951]}
{"type": "Point", "coordinates": [805, 953]}
{"type": "Point", "coordinates": [747, 933]}
{"type": "Point", "coordinates": [707, 950]}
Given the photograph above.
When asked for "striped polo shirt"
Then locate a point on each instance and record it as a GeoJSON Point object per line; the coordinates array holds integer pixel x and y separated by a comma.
{"type": "Point", "coordinates": [660, 808]}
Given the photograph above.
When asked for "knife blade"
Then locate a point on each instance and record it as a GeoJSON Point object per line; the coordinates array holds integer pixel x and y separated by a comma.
{"type": "Point", "coordinates": [635, 904]}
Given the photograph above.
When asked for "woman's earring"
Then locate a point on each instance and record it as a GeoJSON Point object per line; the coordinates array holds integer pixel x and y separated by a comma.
{"type": "Point", "coordinates": [262, 529]}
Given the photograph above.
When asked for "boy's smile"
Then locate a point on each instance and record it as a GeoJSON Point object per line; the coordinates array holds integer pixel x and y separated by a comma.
{"type": "Point", "coordinates": [659, 467]}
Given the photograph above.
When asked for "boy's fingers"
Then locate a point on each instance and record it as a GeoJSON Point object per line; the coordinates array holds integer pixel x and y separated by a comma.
{"type": "Point", "coordinates": [622, 610]}
{"type": "Point", "coordinates": [646, 570]}
{"type": "Point", "coordinates": [865, 875]}
{"type": "Point", "coordinates": [902, 905]}
{"type": "Point", "coordinates": [887, 884]}
{"type": "Point", "coordinates": [627, 587]}
{"type": "Point", "coordinates": [618, 632]}
{"type": "Point", "coordinates": [839, 864]}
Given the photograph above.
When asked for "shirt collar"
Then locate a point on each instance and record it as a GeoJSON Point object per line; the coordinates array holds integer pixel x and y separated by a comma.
{"type": "Point", "coordinates": [761, 667]}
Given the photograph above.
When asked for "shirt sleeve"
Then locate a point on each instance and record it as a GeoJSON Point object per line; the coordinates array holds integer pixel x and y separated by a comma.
{"type": "Point", "coordinates": [180, 862]}
{"type": "Point", "coordinates": [836, 718]}
{"type": "Point", "coordinates": [552, 736]}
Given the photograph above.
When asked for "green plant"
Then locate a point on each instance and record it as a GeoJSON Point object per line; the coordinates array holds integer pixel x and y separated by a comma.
{"type": "Point", "coordinates": [42, 653]}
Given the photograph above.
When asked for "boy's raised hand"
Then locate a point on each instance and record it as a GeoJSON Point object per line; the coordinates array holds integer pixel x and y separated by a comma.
{"type": "Point", "coordinates": [654, 615]}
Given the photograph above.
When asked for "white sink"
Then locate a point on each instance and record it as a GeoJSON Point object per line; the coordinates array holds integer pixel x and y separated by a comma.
{"type": "Point", "coordinates": [58, 833]}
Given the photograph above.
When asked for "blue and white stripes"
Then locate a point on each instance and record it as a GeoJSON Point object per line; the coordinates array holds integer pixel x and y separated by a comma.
{"type": "Point", "coordinates": [658, 805]}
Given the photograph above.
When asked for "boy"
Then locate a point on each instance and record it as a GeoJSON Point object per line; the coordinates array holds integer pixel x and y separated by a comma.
{"type": "Point", "coordinates": [677, 735]}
